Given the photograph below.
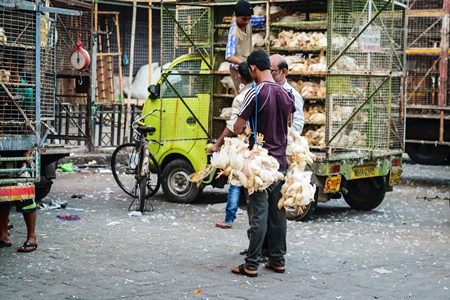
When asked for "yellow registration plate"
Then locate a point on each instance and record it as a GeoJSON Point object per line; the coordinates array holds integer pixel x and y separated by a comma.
{"type": "Point", "coordinates": [364, 172]}
{"type": "Point", "coordinates": [394, 177]}
{"type": "Point", "coordinates": [332, 184]}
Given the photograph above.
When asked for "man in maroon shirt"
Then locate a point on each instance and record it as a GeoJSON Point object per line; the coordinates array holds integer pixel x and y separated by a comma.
{"type": "Point", "coordinates": [269, 108]}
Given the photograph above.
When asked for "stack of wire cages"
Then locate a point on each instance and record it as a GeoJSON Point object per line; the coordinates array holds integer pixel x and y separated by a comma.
{"type": "Point", "coordinates": [187, 60]}
{"type": "Point", "coordinates": [425, 29]}
{"type": "Point", "coordinates": [27, 49]}
{"type": "Point", "coordinates": [365, 59]}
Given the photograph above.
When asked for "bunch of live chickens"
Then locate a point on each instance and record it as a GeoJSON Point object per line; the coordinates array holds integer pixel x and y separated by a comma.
{"type": "Point", "coordinates": [297, 191]}
{"type": "Point", "coordinates": [256, 170]}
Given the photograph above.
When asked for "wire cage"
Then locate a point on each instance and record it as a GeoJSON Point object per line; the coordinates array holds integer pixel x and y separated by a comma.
{"type": "Point", "coordinates": [185, 30]}
{"type": "Point", "coordinates": [365, 60]}
{"type": "Point", "coordinates": [366, 36]}
{"type": "Point", "coordinates": [424, 31]}
{"type": "Point", "coordinates": [27, 51]}
{"type": "Point", "coordinates": [187, 60]}
{"type": "Point", "coordinates": [426, 5]}
{"type": "Point", "coordinates": [424, 38]}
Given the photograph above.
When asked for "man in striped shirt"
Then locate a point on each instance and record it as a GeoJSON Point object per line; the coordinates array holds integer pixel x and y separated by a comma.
{"type": "Point", "coordinates": [239, 45]}
{"type": "Point", "coordinates": [269, 107]}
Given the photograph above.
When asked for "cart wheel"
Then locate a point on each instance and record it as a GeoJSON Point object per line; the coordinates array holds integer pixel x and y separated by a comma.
{"type": "Point", "coordinates": [176, 184]}
{"type": "Point", "coordinates": [308, 211]}
{"type": "Point", "coordinates": [366, 193]}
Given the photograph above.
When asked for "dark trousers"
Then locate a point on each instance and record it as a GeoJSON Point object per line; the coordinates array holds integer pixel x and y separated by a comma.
{"type": "Point", "coordinates": [265, 218]}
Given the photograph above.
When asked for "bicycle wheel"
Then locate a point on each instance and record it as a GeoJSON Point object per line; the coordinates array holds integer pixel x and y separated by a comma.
{"type": "Point", "coordinates": [154, 178]}
{"type": "Point", "coordinates": [124, 161]}
{"type": "Point", "coordinates": [142, 186]}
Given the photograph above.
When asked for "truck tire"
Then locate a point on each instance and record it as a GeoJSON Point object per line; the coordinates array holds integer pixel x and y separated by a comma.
{"type": "Point", "coordinates": [176, 184]}
{"type": "Point", "coordinates": [424, 155]}
{"type": "Point", "coordinates": [308, 211]}
{"type": "Point", "coordinates": [42, 188]}
{"type": "Point", "coordinates": [365, 193]}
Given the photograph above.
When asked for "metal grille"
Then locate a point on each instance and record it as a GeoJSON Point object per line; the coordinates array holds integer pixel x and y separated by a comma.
{"type": "Point", "coordinates": [366, 36]}
{"type": "Point", "coordinates": [365, 58]}
{"type": "Point", "coordinates": [360, 112]}
{"type": "Point", "coordinates": [426, 4]}
{"type": "Point", "coordinates": [17, 51]}
{"type": "Point", "coordinates": [185, 30]}
{"type": "Point", "coordinates": [47, 67]}
{"type": "Point", "coordinates": [424, 31]}
{"type": "Point", "coordinates": [423, 80]}
{"type": "Point", "coordinates": [69, 28]}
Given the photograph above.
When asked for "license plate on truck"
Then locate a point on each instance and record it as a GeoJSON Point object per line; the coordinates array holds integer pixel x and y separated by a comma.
{"type": "Point", "coordinates": [332, 184]}
{"type": "Point", "coordinates": [364, 172]}
{"type": "Point", "coordinates": [394, 177]}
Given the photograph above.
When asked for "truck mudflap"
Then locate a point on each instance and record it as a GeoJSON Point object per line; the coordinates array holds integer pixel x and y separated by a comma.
{"type": "Point", "coordinates": [17, 192]}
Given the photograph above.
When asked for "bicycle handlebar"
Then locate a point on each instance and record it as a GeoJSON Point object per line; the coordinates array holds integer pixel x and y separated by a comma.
{"type": "Point", "coordinates": [140, 123]}
{"type": "Point", "coordinates": [143, 117]}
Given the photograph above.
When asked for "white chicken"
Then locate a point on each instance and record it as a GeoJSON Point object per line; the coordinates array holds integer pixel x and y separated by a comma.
{"type": "Point", "coordinates": [297, 191]}
{"type": "Point", "coordinates": [290, 19]}
{"type": "Point", "coordinates": [258, 39]}
{"type": "Point", "coordinates": [224, 67]}
{"type": "Point", "coordinates": [274, 9]}
{"type": "Point", "coordinates": [228, 84]}
{"type": "Point", "coordinates": [4, 75]}
{"type": "Point", "coordinates": [226, 112]}
{"type": "Point", "coordinates": [346, 63]}
{"type": "Point", "coordinates": [259, 10]}
{"type": "Point", "coordinates": [255, 169]}
{"type": "Point", "coordinates": [3, 38]}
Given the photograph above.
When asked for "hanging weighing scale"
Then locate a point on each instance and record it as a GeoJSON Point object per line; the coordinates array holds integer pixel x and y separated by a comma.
{"type": "Point", "coordinates": [79, 58]}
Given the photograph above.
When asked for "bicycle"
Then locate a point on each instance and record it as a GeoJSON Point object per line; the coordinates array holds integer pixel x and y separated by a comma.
{"type": "Point", "coordinates": [131, 169]}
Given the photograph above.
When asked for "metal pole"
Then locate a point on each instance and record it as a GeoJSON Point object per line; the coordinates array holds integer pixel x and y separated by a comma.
{"type": "Point", "coordinates": [150, 42]}
{"type": "Point", "coordinates": [443, 67]}
{"type": "Point", "coordinates": [128, 111]}
{"type": "Point", "coordinates": [92, 105]}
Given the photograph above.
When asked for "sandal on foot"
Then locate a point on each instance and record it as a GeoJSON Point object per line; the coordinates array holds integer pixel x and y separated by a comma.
{"type": "Point", "coordinates": [4, 245]}
{"type": "Point", "coordinates": [28, 247]}
{"type": "Point", "coordinates": [244, 252]}
{"type": "Point", "coordinates": [276, 269]}
{"type": "Point", "coordinates": [242, 271]}
{"type": "Point", "coordinates": [223, 225]}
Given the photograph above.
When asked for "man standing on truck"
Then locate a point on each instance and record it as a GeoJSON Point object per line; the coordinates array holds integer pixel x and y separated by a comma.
{"type": "Point", "coordinates": [239, 44]}
{"type": "Point", "coordinates": [269, 108]}
{"type": "Point", "coordinates": [234, 190]}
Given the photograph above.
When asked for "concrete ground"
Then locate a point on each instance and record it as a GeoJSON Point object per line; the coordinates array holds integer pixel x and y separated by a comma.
{"type": "Point", "coordinates": [399, 250]}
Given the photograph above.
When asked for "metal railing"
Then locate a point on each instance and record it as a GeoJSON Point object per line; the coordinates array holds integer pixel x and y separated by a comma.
{"type": "Point", "coordinates": [108, 124]}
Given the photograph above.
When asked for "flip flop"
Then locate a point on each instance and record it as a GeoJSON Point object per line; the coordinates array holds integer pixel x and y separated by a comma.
{"type": "Point", "coordinates": [4, 245]}
{"type": "Point", "coordinates": [240, 270]}
{"type": "Point", "coordinates": [223, 225]}
{"type": "Point", "coordinates": [28, 247]}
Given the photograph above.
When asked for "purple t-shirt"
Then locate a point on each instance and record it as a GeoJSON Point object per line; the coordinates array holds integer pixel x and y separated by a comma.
{"type": "Point", "coordinates": [275, 106]}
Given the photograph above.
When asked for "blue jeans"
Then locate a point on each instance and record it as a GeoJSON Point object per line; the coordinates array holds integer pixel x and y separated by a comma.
{"type": "Point", "coordinates": [234, 193]}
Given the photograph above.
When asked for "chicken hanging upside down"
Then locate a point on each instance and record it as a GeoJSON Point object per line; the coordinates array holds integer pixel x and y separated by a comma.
{"type": "Point", "coordinates": [255, 169]}
{"type": "Point", "coordinates": [297, 191]}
